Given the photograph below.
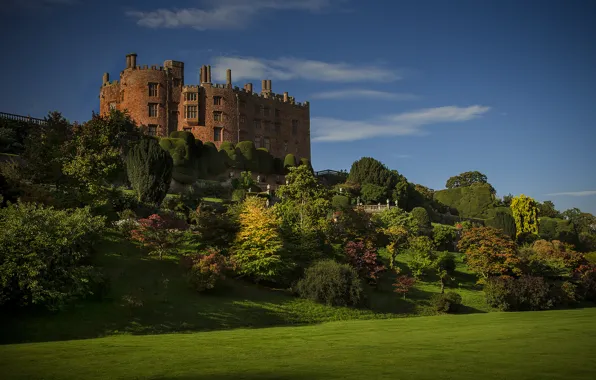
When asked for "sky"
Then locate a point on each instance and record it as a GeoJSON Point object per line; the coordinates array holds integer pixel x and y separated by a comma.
{"type": "Point", "coordinates": [429, 88]}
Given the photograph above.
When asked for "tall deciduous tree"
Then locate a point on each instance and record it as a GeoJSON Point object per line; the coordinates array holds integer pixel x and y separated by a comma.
{"type": "Point", "coordinates": [465, 179]}
{"type": "Point", "coordinates": [149, 170]}
{"type": "Point", "coordinates": [547, 208]}
{"type": "Point", "coordinates": [257, 250]}
{"type": "Point", "coordinates": [525, 213]}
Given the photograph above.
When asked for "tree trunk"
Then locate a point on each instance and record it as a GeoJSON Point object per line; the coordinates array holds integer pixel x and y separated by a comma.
{"type": "Point", "coordinates": [442, 285]}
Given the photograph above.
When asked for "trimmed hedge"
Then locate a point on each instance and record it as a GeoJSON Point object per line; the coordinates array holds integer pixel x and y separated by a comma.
{"type": "Point", "coordinates": [265, 160]}
{"type": "Point", "coordinates": [503, 221]}
{"type": "Point", "coordinates": [289, 161]}
{"type": "Point", "coordinates": [185, 156]}
{"type": "Point", "coordinates": [248, 152]}
{"type": "Point", "coordinates": [471, 201]}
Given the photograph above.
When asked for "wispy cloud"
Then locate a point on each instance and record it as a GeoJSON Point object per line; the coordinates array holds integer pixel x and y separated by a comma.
{"type": "Point", "coordinates": [223, 14]}
{"type": "Point", "coordinates": [363, 93]}
{"type": "Point", "coordinates": [403, 124]}
{"type": "Point", "coordinates": [574, 193]}
{"type": "Point", "coordinates": [287, 68]}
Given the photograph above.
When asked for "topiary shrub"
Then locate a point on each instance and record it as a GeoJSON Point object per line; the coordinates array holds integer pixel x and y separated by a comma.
{"type": "Point", "coordinates": [449, 302]}
{"type": "Point", "coordinates": [185, 153]}
{"type": "Point", "coordinates": [421, 216]}
{"type": "Point", "coordinates": [289, 162]}
{"type": "Point", "coordinates": [149, 169]}
{"type": "Point", "coordinates": [231, 156]}
{"type": "Point", "coordinates": [265, 160]}
{"type": "Point", "coordinates": [518, 294]}
{"type": "Point", "coordinates": [248, 154]}
{"type": "Point", "coordinates": [215, 162]}
{"type": "Point", "coordinates": [278, 166]}
{"type": "Point", "coordinates": [504, 221]}
{"type": "Point", "coordinates": [471, 201]}
{"type": "Point", "coordinates": [331, 283]}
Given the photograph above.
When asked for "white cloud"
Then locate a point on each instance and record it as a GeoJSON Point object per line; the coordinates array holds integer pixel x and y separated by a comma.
{"type": "Point", "coordinates": [363, 93]}
{"type": "Point", "coordinates": [222, 14]}
{"type": "Point", "coordinates": [404, 124]}
{"type": "Point", "coordinates": [287, 68]}
{"type": "Point", "coordinates": [574, 193]}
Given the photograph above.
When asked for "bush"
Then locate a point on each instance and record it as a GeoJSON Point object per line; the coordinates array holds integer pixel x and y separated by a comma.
{"type": "Point", "coordinates": [503, 221]}
{"type": "Point", "coordinates": [444, 237]}
{"type": "Point", "coordinates": [340, 202]}
{"type": "Point", "coordinates": [185, 153]}
{"type": "Point", "coordinates": [149, 169]}
{"type": "Point", "coordinates": [265, 160]}
{"type": "Point", "coordinates": [557, 229]}
{"type": "Point", "coordinates": [372, 193]}
{"type": "Point", "coordinates": [423, 220]}
{"type": "Point", "coordinates": [247, 155]}
{"type": "Point", "coordinates": [470, 201]}
{"type": "Point", "coordinates": [238, 195]}
{"type": "Point", "coordinates": [421, 255]}
{"type": "Point", "coordinates": [524, 293]}
{"type": "Point", "coordinates": [159, 234]}
{"type": "Point", "coordinates": [43, 254]}
{"type": "Point", "coordinates": [206, 270]}
{"type": "Point", "coordinates": [331, 283]}
{"type": "Point", "coordinates": [364, 260]}
{"type": "Point", "coordinates": [289, 162]}
{"type": "Point", "coordinates": [446, 303]}
{"type": "Point", "coordinates": [214, 229]}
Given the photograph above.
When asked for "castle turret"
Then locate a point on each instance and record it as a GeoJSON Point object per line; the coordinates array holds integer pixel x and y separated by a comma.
{"type": "Point", "coordinates": [106, 78]}
{"type": "Point", "coordinates": [286, 97]}
{"type": "Point", "coordinates": [229, 78]}
{"type": "Point", "coordinates": [131, 61]}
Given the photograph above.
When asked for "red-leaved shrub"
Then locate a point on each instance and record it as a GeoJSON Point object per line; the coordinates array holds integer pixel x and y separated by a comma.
{"type": "Point", "coordinates": [205, 270]}
{"type": "Point", "coordinates": [364, 260]}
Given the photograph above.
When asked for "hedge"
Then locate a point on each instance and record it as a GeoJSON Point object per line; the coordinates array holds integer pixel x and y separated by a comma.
{"type": "Point", "coordinates": [472, 201]}
{"type": "Point", "coordinates": [289, 161]}
{"type": "Point", "coordinates": [248, 152]}
{"type": "Point", "coordinates": [503, 220]}
{"type": "Point", "coordinates": [185, 157]}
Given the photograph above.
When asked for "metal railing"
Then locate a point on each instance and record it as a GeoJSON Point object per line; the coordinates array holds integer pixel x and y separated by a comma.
{"type": "Point", "coordinates": [21, 118]}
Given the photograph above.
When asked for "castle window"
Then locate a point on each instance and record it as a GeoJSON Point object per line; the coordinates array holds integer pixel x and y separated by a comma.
{"type": "Point", "coordinates": [217, 132]}
{"type": "Point", "coordinates": [278, 128]}
{"type": "Point", "coordinates": [265, 111]}
{"type": "Point", "coordinates": [152, 89]}
{"type": "Point", "coordinates": [257, 109]}
{"type": "Point", "coordinates": [257, 142]}
{"type": "Point", "coordinates": [242, 119]}
{"type": "Point", "coordinates": [266, 125]}
{"type": "Point", "coordinates": [112, 106]}
{"type": "Point", "coordinates": [217, 100]}
{"type": "Point", "coordinates": [267, 143]}
{"type": "Point", "coordinates": [190, 96]}
{"type": "Point", "coordinates": [152, 130]}
{"type": "Point", "coordinates": [277, 113]}
{"type": "Point", "coordinates": [217, 116]}
{"type": "Point", "coordinates": [187, 129]}
{"type": "Point", "coordinates": [257, 124]}
{"type": "Point", "coordinates": [190, 112]}
{"type": "Point", "coordinates": [152, 109]}
{"type": "Point", "coordinates": [294, 127]}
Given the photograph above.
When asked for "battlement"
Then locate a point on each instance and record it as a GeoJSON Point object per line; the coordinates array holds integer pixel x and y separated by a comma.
{"type": "Point", "coordinates": [112, 83]}
{"type": "Point", "coordinates": [192, 87]}
{"type": "Point", "coordinates": [146, 67]}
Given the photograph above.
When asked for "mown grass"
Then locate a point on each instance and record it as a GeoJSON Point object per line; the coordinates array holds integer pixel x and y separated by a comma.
{"type": "Point", "coordinates": [531, 345]}
{"type": "Point", "coordinates": [150, 296]}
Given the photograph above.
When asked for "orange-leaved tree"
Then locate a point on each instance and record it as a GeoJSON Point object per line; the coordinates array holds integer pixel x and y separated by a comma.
{"type": "Point", "coordinates": [489, 252]}
{"type": "Point", "coordinates": [257, 249]}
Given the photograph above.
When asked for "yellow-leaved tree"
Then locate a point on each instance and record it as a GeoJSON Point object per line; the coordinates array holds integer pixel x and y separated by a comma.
{"type": "Point", "coordinates": [525, 213]}
{"type": "Point", "coordinates": [257, 249]}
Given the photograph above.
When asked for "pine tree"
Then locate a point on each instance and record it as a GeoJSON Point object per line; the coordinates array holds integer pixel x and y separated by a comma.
{"type": "Point", "coordinates": [149, 170]}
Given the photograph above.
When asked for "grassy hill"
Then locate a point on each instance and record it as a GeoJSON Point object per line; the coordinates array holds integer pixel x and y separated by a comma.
{"type": "Point", "coordinates": [531, 345]}
{"type": "Point", "coordinates": [149, 296]}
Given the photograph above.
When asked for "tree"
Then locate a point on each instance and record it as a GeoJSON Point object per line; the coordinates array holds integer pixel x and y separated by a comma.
{"type": "Point", "coordinates": [373, 193]}
{"type": "Point", "coordinates": [159, 234]}
{"type": "Point", "coordinates": [403, 284]}
{"type": "Point", "coordinates": [444, 264]}
{"type": "Point", "coordinates": [465, 179]}
{"type": "Point", "coordinates": [525, 213]}
{"type": "Point", "coordinates": [547, 208]}
{"type": "Point", "coordinates": [421, 255]}
{"type": "Point", "coordinates": [365, 260]}
{"type": "Point", "coordinates": [97, 150]}
{"type": "Point", "coordinates": [507, 200]}
{"type": "Point", "coordinates": [503, 221]}
{"type": "Point", "coordinates": [257, 249]}
{"type": "Point", "coordinates": [369, 170]}
{"type": "Point", "coordinates": [423, 220]}
{"type": "Point", "coordinates": [149, 170]}
{"type": "Point", "coordinates": [489, 252]}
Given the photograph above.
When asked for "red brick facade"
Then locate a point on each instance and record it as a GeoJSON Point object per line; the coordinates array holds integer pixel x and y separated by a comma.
{"type": "Point", "coordinates": [212, 112]}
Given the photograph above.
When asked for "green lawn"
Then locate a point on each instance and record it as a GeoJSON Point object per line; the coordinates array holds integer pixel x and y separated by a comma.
{"type": "Point", "coordinates": [168, 305]}
{"type": "Point", "coordinates": [531, 345]}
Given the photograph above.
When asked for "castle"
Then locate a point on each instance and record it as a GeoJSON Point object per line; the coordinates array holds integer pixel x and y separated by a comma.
{"type": "Point", "coordinates": [158, 98]}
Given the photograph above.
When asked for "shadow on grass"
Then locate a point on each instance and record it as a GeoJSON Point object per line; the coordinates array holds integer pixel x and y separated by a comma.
{"type": "Point", "coordinates": [244, 376]}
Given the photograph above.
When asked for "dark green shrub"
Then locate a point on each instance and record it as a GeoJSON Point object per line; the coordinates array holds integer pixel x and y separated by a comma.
{"type": "Point", "coordinates": [446, 303]}
{"type": "Point", "coordinates": [278, 166]}
{"type": "Point", "coordinates": [289, 161]}
{"type": "Point", "coordinates": [340, 202]}
{"type": "Point", "coordinates": [518, 294]}
{"type": "Point", "coordinates": [423, 219]}
{"type": "Point", "coordinates": [331, 283]}
{"type": "Point", "coordinates": [212, 189]}
{"type": "Point", "coordinates": [471, 201]}
{"type": "Point", "coordinates": [185, 156]}
{"type": "Point", "coordinates": [444, 237]}
{"type": "Point", "coordinates": [149, 169]}
{"type": "Point", "coordinates": [231, 157]}
{"type": "Point", "coordinates": [369, 170]}
{"type": "Point", "coordinates": [503, 221]}
{"type": "Point", "coordinates": [372, 193]}
{"type": "Point", "coordinates": [265, 160]}
{"type": "Point", "coordinates": [238, 195]}
{"type": "Point", "coordinates": [43, 254]}
{"type": "Point", "coordinates": [216, 162]}
{"type": "Point", "coordinates": [248, 154]}
{"type": "Point", "coordinates": [557, 229]}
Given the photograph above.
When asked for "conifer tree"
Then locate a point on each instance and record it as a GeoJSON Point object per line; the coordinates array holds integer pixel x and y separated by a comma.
{"type": "Point", "coordinates": [149, 169]}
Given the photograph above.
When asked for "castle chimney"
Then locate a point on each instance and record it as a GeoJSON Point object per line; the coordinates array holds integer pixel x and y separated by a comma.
{"type": "Point", "coordinates": [285, 97]}
{"type": "Point", "coordinates": [229, 77]}
{"type": "Point", "coordinates": [201, 73]}
{"type": "Point", "coordinates": [264, 86]}
{"type": "Point", "coordinates": [269, 85]}
{"type": "Point", "coordinates": [106, 78]}
{"type": "Point", "coordinates": [133, 60]}
{"type": "Point", "coordinates": [209, 74]}
{"type": "Point", "coordinates": [249, 88]}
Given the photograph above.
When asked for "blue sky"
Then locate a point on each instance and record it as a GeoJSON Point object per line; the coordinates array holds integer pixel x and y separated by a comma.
{"type": "Point", "coordinates": [430, 88]}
